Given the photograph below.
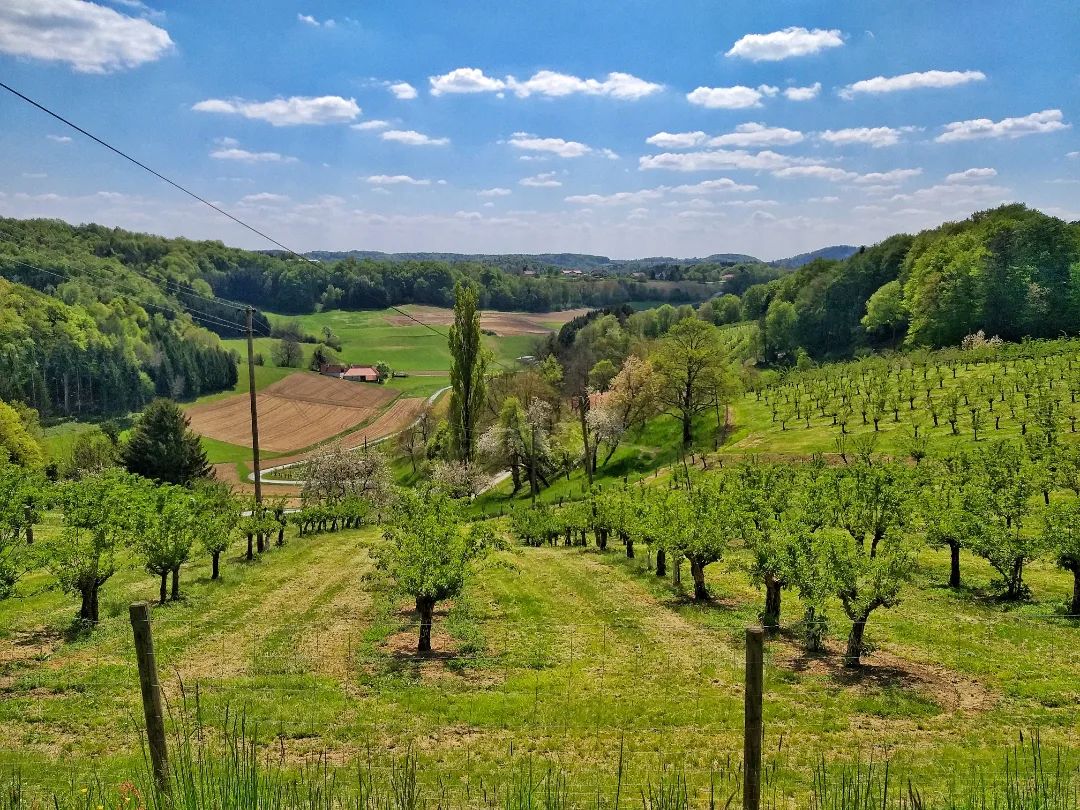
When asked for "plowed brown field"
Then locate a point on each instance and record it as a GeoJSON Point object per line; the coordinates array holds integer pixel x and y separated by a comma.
{"type": "Point", "coordinates": [399, 415]}
{"type": "Point", "coordinates": [501, 323]}
{"type": "Point", "coordinates": [296, 412]}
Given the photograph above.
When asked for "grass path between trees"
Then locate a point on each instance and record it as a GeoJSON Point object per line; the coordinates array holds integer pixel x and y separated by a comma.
{"type": "Point", "coordinates": [558, 654]}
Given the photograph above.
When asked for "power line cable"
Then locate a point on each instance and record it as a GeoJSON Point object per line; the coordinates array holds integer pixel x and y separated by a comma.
{"type": "Point", "coordinates": [204, 201]}
{"type": "Point", "coordinates": [205, 317]}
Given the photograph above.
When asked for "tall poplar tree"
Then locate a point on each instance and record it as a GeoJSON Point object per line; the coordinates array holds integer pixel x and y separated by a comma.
{"type": "Point", "coordinates": [468, 362]}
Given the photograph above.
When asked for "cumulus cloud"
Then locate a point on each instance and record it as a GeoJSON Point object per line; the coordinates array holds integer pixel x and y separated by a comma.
{"type": "Point", "coordinates": [784, 44]}
{"type": "Point", "coordinates": [876, 137]}
{"type": "Point", "coordinates": [396, 180]}
{"type": "Point", "coordinates": [403, 91]}
{"type": "Point", "coordinates": [548, 83]}
{"type": "Point", "coordinates": [1034, 124]}
{"type": "Point", "coordinates": [544, 180]}
{"type": "Point", "coordinates": [825, 200]}
{"type": "Point", "coordinates": [807, 93]}
{"type": "Point", "coordinates": [374, 123]}
{"type": "Point", "coordinates": [555, 146]}
{"type": "Point", "coordinates": [912, 81]}
{"type": "Point", "coordinates": [677, 140]}
{"type": "Point", "coordinates": [955, 194]}
{"type": "Point", "coordinates": [617, 198]}
{"type": "Point", "coordinates": [891, 177]}
{"type": "Point", "coordinates": [831, 173]}
{"type": "Point", "coordinates": [283, 112]}
{"type": "Point", "coordinates": [711, 186]}
{"type": "Point", "coordinates": [730, 98]}
{"type": "Point", "coordinates": [494, 192]}
{"type": "Point", "coordinates": [59, 138]}
{"type": "Point", "coordinates": [752, 134]}
{"type": "Point", "coordinates": [1072, 154]}
{"type": "Point", "coordinates": [411, 137]}
{"type": "Point", "coordinates": [263, 198]}
{"type": "Point", "coordinates": [90, 37]}
{"type": "Point", "coordinates": [970, 175]}
{"type": "Point", "coordinates": [307, 19]}
{"type": "Point", "coordinates": [245, 156]}
{"type": "Point", "coordinates": [721, 159]}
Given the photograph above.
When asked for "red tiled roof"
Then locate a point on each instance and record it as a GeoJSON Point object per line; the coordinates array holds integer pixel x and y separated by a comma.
{"type": "Point", "coordinates": [361, 371]}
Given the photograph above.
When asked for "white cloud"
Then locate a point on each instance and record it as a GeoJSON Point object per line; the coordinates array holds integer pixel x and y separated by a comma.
{"type": "Point", "coordinates": [544, 180]}
{"type": "Point", "coordinates": [676, 140]}
{"type": "Point", "coordinates": [869, 209]}
{"type": "Point", "coordinates": [307, 19]}
{"type": "Point", "coordinates": [610, 154]}
{"type": "Point", "coordinates": [710, 186]}
{"type": "Point", "coordinates": [721, 159]}
{"type": "Point", "coordinates": [396, 180]}
{"type": "Point", "coordinates": [887, 178]}
{"type": "Point", "coordinates": [1034, 124]}
{"type": "Point", "coordinates": [749, 203]}
{"type": "Point", "coordinates": [617, 198]}
{"type": "Point", "coordinates": [494, 192]}
{"type": "Point", "coordinates": [876, 137]}
{"type": "Point", "coordinates": [59, 138]}
{"type": "Point", "coordinates": [465, 80]}
{"type": "Point", "coordinates": [789, 42]}
{"type": "Point", "coordinates": [412, 138]}
{"type": "Point", "coordinates": [817, 172]}
{"type": "Point", "coordinates": [954, 194]}
{"type": "Point", "coordinates": [762, 216]}
{"type": "Point", "coordinates": [367, 126]}
{"type": "Point", "coordinates": [282, 112]}
{"type": "Point", "coordinates": [549, 83]}
{"type": "Point", "coordinates": [969, 175]}
{"type": "Point", "coordinates": [244, 156]}
{"type": "Point", "coordinates": [1072, 154]}
{"type": "Point", "coordinates": [823, 200]}
{"type": "Point", "coordinates": [803, 93]}
{"type": "Point", "coordinates": [730, 98]}
{"type": "Point", "coordinates": [403, 91]}
{"type": "Point", "coordinates": [555, 146]}
{"type": "Point", "coordinates": [263, 197]}
{"type": "Point", "coordinates": [752, 134]}
{"type": "Point", "coordinates": [552, 84]}
{"type": "Point", "coordinates": [912, 81]}
{"type": "Point", "coordinates": [90, 37]}
{"type": "Point", "coordinates": [34, 175]}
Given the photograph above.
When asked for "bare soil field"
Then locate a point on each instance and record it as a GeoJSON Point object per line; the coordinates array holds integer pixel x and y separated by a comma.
{"type": "Point", "coordinates": [400, 414]}
{"type": "Point", "coordinates": [501, 323]}
{"type": "Point", "coordinates": [296, 412]}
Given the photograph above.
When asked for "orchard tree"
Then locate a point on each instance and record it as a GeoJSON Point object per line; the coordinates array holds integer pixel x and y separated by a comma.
{"type": "Point", "coordinates": [766, 492]}
{"type": "Point", "coordinates": [97, 519]}
{"type": "Point", "coordinates": [288, 353]}
{"type": "Point", "coordinates": [1002, 540]}
{"type": "Point", "coordinates": [868, 550]}
{"type": "Point", "coordinates": [165, 526]}
{"type": "Point", "coordinates": [955, 505]}
{"type": "Point", "coordinates": [219, 514]}
{"type": "Point", "coordinates": [689, 361]}
{"type": "Point", "coordinates": [1061, 535]}
{"type": "Point", "coordinates": [22, 491]}
{"type": "Point", "coordinates": [705, 520]}
{"type": "Point", "coordinates": [429, 551]}
{"type": "Point", "coordinates": [163, 448]}
{"type": "Point", "coordinates": [17, 439]}
{"type": "Point", "coordinates": [468, 363]}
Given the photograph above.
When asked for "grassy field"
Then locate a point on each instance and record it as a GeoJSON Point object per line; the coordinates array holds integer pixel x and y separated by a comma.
{"type": "Point", "coordinates": [553, 655]}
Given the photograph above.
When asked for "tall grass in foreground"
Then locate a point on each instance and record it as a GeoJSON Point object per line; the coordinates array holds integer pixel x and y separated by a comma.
{"type": "Point", "coordinates": [237, 773]}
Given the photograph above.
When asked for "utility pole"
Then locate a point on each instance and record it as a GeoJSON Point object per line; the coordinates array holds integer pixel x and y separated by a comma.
{"type": "Point", "coordinates": [254, 408]}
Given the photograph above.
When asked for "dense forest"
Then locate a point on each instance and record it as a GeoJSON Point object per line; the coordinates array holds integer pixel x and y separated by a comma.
{"type": "Point", "coordinates": [1011, 272]}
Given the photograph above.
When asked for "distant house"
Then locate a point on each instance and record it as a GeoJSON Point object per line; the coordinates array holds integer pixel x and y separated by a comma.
{"type": "Point", "coordinates": [360, 374]}
{"type": "Point", "coordinates": [332, 369]}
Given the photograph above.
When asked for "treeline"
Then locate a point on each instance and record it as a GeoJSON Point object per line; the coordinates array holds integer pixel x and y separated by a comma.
{"type": "Point", "coordinates": [101, 354]}
{"type": "Point", "coordinates": [1012, 272]}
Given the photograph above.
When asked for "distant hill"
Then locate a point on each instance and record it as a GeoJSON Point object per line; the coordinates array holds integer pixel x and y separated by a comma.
{"type": "Point", "coordinates": [539, 261]}
{"type": "Point", "coordinates": [838, 252]}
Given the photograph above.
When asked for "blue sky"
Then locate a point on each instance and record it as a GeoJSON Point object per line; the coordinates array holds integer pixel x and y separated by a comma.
{"type": "Point", "coordinates": [625, 128]}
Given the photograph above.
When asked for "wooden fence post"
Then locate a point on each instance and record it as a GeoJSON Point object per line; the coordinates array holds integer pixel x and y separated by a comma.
{"type": "Point", "coordinates": [752, 726]}
{"type": "Point", "coordinates": [151, 693]}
